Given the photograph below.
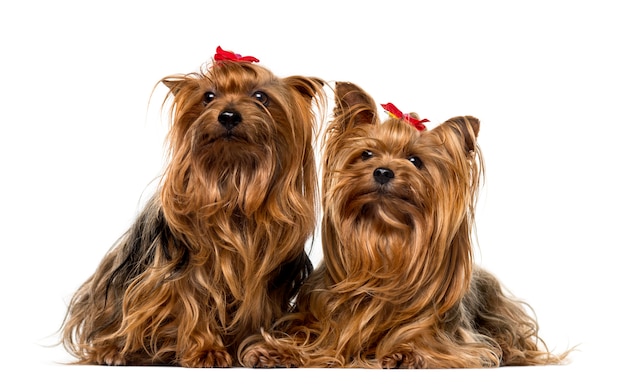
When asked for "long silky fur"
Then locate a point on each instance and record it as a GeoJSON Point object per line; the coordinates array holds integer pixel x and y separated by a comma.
{"type": "Point", "coordinates": [218, 253]}
{"type": "Point", "coordinates": [397, 286]}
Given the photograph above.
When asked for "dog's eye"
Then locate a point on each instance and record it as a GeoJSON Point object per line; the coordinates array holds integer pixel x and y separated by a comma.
{"type": "Point", "coordinates": [417, 162]}
{"type": "Point", "coordinates": [261, 97]}
{"type": "Point", "coordinates": [367, 154]}
{"type": "Point", "coordinates": [208, 97]}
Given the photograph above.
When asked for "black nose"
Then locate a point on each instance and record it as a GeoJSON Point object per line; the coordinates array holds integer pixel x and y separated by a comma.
{"type": "Point", "coordinates": [229, 119]}
{"type": "Point", "coordinates": [383, 175]}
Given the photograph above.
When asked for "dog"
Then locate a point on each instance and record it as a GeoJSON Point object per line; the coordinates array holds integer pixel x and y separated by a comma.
{"type": "Point", "coordinates": [397, 286]}
{"type": "Point", "coordinates": [219, 251]}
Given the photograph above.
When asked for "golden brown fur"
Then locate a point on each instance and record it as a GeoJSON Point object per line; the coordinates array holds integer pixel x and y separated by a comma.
{"type": "Point", "coordinates": [397, 287]}
{"type": "Point", "coordinates": [219, 251]}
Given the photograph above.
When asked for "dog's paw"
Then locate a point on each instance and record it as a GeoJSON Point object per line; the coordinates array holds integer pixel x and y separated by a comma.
{"type": "Point", "coordinates": [207, 359]}
{"type": "Point", "coordinates": [110, 357]}
{"type": "Point", "coordinates": [259, 357]}
{"type": "Point", "coordinates": [401, 360]}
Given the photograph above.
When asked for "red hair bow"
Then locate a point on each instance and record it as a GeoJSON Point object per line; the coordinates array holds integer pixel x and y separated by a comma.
{"type": "Point", "coordinates": [394, 112]}
{"type": "Point", "coordinates": [221, 55]}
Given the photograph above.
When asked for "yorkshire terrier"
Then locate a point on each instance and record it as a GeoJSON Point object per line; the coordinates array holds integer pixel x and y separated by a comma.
{"type": "Point", "coordinates": [397, 286]}
{"type": "Point", "coordinates": [219, 251]}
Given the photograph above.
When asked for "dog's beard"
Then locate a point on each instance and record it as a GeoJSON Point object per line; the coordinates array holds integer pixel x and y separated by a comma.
{"type": "Point", "coordinates": [389, 208]}
{"type": "Point", "coordinates": [234, 166]}
{"type": "Point", "coordinates": [383, 211]}
{"type": "Point", "coordinates": [375, 228]}
{"type": "Point", "coordinates": [231, 170]}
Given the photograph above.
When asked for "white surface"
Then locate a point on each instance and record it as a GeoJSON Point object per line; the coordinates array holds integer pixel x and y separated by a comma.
{"type": "Point", "coordinates": [81, 143]}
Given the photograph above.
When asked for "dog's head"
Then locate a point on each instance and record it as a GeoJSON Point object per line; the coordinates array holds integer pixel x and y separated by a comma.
{"type": "Point", "coordinates": [398, 200]}
{"type": "Point", "coordinates": [240, 133]}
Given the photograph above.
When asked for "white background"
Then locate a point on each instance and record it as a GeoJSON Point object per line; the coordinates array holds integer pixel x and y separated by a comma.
{"type": "Point", "coordinates": [82, 142]}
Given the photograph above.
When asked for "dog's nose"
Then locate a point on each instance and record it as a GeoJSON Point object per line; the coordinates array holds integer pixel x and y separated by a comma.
{"type": "Point", "coordinates": [383, 175]}
{"type": "Point", "coordinates": [229, 119]}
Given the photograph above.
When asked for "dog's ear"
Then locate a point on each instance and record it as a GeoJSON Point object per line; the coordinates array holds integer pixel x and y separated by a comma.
{"type": "Point", "coordinates": [466, 127]}
{"type": "Point", "coordinates": [308, 87]}
{"type": "Point", "coordinates": [174, 84]}
{"type": "Point", "coordinates": [352, 102]}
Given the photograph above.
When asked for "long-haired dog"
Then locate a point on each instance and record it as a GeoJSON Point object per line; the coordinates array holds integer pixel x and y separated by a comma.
{"type": "Point", "coordinates": [397, 286]}
{"type": "Point", "coordinates": [219, 251]}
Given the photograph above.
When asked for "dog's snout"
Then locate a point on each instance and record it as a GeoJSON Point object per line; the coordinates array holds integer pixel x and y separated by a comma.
{"type": "Point", "coordinates": [383, 175]}
{"type": "Point", "coordinates": [229, 119]}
